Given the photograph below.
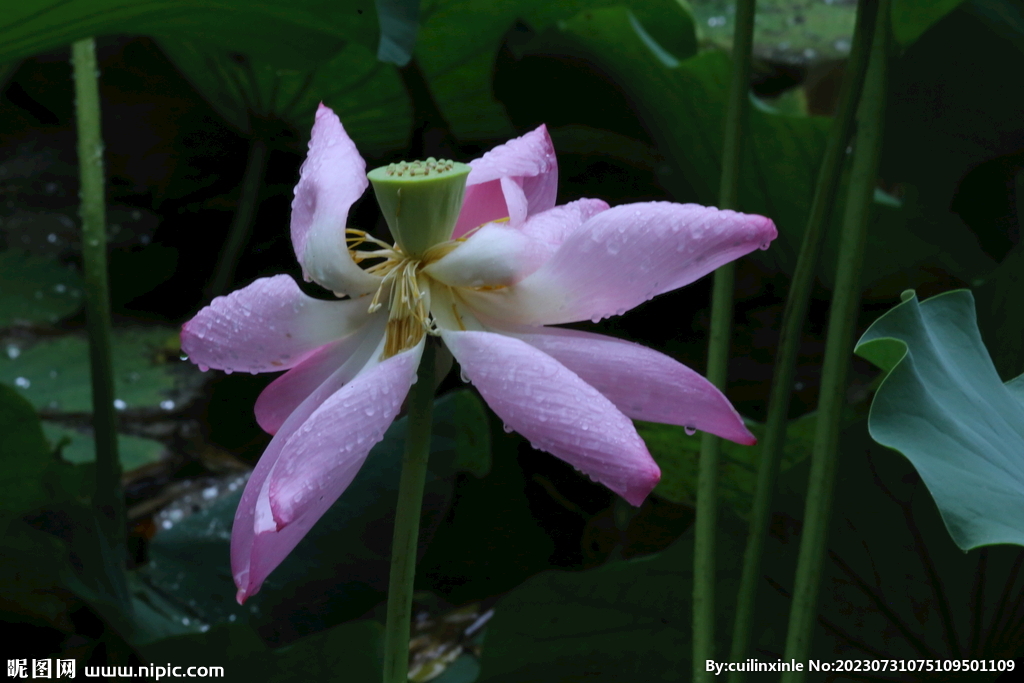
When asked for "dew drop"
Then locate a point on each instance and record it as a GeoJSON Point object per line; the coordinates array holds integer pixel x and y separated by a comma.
{"type": "Point", "coordinates": [228, 371]}
{"type": "Point", "coordinates": [690, 431]}
{"type": "Point", "coordinates": [13, 351]}
{"type": "Point", "coordinates": [119, 404]}
{"type": "Point", "coordinates": [508, 430]}
{"type": "Point", "coordinates": [203, 368]}
{"type": "Point", "coordinates": [765, 245]}
{"type": "Point", "coordinates": [167, 404]}
{"type": "Point", "coordinates": [22, 383]}
{"type": "Point", "coordinates": [465, 377]}
{"type": "Point", "coordinates": [51, 238]}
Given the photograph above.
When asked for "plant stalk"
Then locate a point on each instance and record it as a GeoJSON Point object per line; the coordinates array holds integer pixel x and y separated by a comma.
{"type": "Point", "coordinates": [407, 521]}
{"type": "Point", "coordinates": [241, 223]}
{"type": "Point", "coordinates": [706, 518]}
{"type": "Point", "coordinates": [793, 319]}
{"type": "Point", "coordinates": [108, 499]}
{"type": "Point", "coordinates": [838, 348]}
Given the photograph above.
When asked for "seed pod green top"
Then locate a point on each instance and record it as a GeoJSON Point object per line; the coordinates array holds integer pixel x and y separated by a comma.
{"type": "Point", "coordinates": [420, 200]}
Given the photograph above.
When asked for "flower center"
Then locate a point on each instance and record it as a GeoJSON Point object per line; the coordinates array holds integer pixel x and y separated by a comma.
{"type": "Point", "coordinates": [403, 285]}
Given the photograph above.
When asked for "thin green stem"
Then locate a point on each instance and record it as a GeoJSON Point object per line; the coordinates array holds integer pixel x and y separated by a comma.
{"type": "Point", "coordinates": [792, 323]}
{"type": "Point", "coordinates": [838, 348]}
{"type": "Point", "coordinates": [107, 498]}
{"type": "Point", "coordinates": [241, 224]}
{"type": "Point", "coordinates": [407, 521]}
{"type": "Point", "coordinates": [718, 349]}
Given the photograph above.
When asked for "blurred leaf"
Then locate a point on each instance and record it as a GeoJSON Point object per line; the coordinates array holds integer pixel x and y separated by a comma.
{"type": "Point", "coordinates": [1001, 311]}
{"type": "Point", "coordinates": [353, 648]}
{"type": "Point", "coordinates": [31, 566]}
{"type": "Point", "coordinates": [894, 585]}
{"type": "Point", "coordinates": [683, 104]}
{"type": "Point", "coordinates": [677, 454]}
{"type": "Point", "coordinates": [340, 568]}
{"type": "Point", "coordinates": [460, 40]}
{"type": "Point", "coordinates": [944, 407]}
{"type": "Point", "coordinates": [24, 454]}
{"type": "Point", "coordinates": [906, 248]}
{"type": "Point", "coordinates": [79, 447]}
{"type": "Point", "coordinates": [366, 94]}
{"type": "Point", "coordinates": [36, 290]}
{"type": "Point", "coordinates": [626, 621]}
{"type": "Point", "coordinates": [792, 31]}
{"type": "Point", "coordinates": [290, 33]}
{"type": "Point", "coordinates": [949, 111]}
{"type": "Point", "coordinates": [911, 18]}
{"type": "Point", "coordinates": [399, 22]}
{"type": "Point", "coordinates": [54, 372]}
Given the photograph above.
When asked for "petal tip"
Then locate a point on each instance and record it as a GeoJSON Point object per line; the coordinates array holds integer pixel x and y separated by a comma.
{"type": "Point", "coordinates": [637, 493]}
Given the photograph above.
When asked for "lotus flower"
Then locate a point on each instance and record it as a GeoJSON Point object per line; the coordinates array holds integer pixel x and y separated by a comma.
{"type": "Point", "coordinates": [509, 264]}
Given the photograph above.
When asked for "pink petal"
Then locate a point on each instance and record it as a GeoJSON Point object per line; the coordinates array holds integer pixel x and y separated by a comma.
{"type": "Point", "coordinates": [265, 327]}
{"type": "Point", "coordinates": [622, 257]}
{"type": "Point", "coordinates": [556, 410]}
{"type": "Point", "coordinates": [322, 458]}
{"type": "Point", "coordinates": [642, 383]}
{"type": "Point", "coordinates": [513, 180]}
{"type": "Point", "coordinates": [555, 225]}
{"type": "Point", "coordinates": [500, 255]}
{"type": "Point", "coordinates": [284, 395]}
{"type": "Point", "coordinates": [331, 179]}
{"type": "Point", "coordinates": [257, 547]}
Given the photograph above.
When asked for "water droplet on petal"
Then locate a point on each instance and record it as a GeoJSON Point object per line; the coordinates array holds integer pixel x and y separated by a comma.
{"type": "Point", "coordinates": [690, 431]}
{"type": "Point", "coordinates": [203, 368]}
{"type": "Point", "coordinates": [765, 245]}
{"type": "Point", "coordinates": [508, 430]}
{"type": "Point", "coordinates": [465, 377]}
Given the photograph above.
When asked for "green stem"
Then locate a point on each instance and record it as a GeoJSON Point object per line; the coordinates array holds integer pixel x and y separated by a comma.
{"type": "Point", "coordinates": [718, 349]}
{"type": "Point", "coordinates": [838, 347]}
{"type": "Point", "coordinates": [107, 498]}
{"type": "Point", "coordinates": [241, 224]}
{"type": "Point", "coordinates": [792, 323]}
{"type": "Point", "coordinates": [407, 521]}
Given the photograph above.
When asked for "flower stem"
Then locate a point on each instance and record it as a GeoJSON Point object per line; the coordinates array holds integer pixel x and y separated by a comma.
{"type": "Point", "coordinates": [407, 521]}
{"type": "Point", "coordinates": [838, 348]}
{"type": "Point", "coordinates": [107, 498]}
{"type": "Point", "coordinates": [241, 224]}
{"type": "Point", "coordinates": [792, 322]}
{"type": "Point", "coordinates": [718, 349]}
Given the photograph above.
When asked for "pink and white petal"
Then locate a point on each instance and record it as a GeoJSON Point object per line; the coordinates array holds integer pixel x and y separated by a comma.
{"type": "Point", "coordinates": [284, 395]}
{"type": "Point", "coordinates": [500, 254]}
{"type": "Point", "coordinates": [331, 179]}
{"type": "Point", "coordinates": [494, 255]}
{"type": "Point", "coordinates": [553, 226]}
{"type": "Point", "coordinates": [322, 458]}
{"type": "Point", "coordinates": [642, 383]}
{"type": "Point", "coordinates": [523, 172]}
{"type": "Point", "coordinates": [266, 327]}
{"type": "Point", "coordinates": [257, 547]}
{"type": "Point", "coordinates": [556, 410]}
{"type": "Point", "coordinates": [622, 257]}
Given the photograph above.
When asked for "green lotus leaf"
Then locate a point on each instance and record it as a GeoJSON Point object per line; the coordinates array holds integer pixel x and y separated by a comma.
{"type": "Point", "coordinates": [943, 406]}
